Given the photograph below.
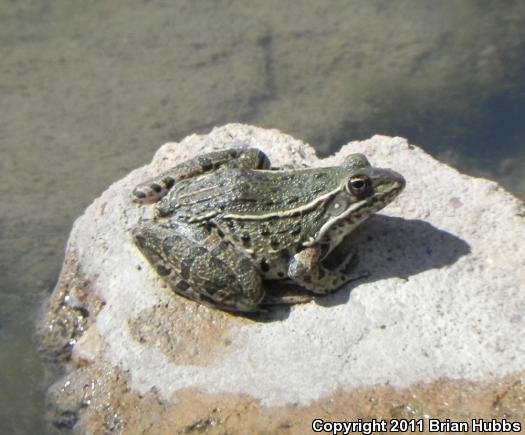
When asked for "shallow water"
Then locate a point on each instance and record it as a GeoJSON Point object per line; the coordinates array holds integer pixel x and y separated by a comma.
{"type": "Point", "coordinates": [89, 90]}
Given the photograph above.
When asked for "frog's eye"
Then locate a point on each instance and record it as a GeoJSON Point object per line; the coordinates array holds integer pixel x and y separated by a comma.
{"type": "Point", "coordinates": [357, 185]}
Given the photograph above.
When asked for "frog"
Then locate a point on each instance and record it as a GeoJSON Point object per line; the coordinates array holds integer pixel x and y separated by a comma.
{"type": "Point", "coordinates": [227, 222]}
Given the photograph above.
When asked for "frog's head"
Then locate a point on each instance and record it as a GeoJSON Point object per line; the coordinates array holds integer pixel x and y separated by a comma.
{"type": "Point", "coordinates": [362, 191]}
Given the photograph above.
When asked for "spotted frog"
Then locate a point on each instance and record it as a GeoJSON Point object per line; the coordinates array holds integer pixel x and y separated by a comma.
{"type": "Point", "coordinates": [225, 221]}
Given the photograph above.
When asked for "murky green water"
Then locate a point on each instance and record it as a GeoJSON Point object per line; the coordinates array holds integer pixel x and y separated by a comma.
{"type": "Point", "coordinates": [89, 90]}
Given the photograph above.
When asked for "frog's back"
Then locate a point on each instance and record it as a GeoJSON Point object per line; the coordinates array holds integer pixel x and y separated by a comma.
{"type": "Point", "coordinates": [247, 192]}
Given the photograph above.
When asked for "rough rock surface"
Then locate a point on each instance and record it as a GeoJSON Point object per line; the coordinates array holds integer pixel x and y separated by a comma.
{"type": "Point", "coordinates": [439, 322]}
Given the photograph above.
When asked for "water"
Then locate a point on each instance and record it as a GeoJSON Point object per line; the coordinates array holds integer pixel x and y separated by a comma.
{"type": "Point", "coordinates": [89, 90]}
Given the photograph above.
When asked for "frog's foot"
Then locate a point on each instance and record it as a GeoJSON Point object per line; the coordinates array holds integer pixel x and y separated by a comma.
{"type": "Point", "coordinates": [155, 188]}
{"type": "Point", "coordinates": [306, 269]}
{"type": "Point", "coordinates": [200, 265]}
{"type": "Point", "coordinates": [286, 300]}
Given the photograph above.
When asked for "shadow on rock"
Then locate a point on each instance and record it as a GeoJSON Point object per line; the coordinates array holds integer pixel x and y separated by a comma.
{"type": "Point", "coordinates": [386, 247]}
{"type": "Point", "coordinates": [390, 247]}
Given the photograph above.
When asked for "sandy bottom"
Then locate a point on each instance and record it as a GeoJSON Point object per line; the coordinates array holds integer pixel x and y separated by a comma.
{"type": "Point", "coordinates": [113, 406]}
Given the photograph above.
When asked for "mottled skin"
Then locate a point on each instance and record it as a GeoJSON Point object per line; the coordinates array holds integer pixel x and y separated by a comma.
{"type": "Point", "coordinates": [225, 222]}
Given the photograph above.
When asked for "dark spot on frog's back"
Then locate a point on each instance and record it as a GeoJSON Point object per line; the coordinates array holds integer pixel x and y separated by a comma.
{"type": "Point", "coordinates": [206, 164]}
{"type": "Point", "coordinates": [246, 239]}
{"type": "Point", "coordinates": [182, 285]}
{"type": "Point", "coordinates": [163, 271]}
{"type": "Point", "coordinates": [265, 231]}
{"type": "Point", "coordinates": [156, 187]}
{"type": "Point", "coordinates": [185, 268]}
{"type": "Point", "coordinates": [265, 267]}
{"type": "Point", "coordinates": [168, 182]}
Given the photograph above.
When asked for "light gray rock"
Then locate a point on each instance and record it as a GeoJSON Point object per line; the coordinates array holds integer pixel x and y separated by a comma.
{"type": "Point", "coordinates": [445, 298]}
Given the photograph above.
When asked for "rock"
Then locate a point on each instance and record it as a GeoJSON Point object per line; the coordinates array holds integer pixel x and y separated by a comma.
{"type": "Point", "coordinates": [438, 325]}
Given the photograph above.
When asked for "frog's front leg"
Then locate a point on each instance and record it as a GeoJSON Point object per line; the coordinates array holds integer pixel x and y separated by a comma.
{"type": "Point", "coordinates": [198, 264]}
{"type": "Point", "coordinates": [307, 270]}
{"type": "Point", "coordinates": [155, 188]}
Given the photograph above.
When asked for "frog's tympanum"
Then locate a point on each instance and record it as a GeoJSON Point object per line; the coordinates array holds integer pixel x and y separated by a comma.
{"type": "Point", "coordinates": [225, 221]}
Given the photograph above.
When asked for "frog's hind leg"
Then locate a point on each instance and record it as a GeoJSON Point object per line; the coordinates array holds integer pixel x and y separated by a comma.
{"type": "Point", "coordinates": [155, 188]}
{"type": "Point", "coordinates": [200, 265]}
